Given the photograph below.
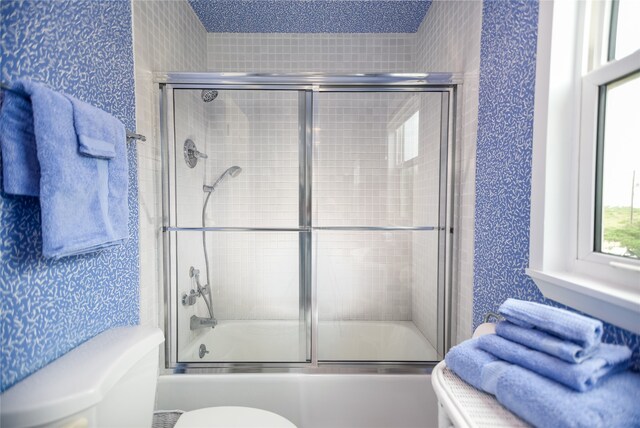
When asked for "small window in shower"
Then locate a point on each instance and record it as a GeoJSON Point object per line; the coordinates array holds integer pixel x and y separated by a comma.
{"type": "Point", "coordinates": [410, 134]}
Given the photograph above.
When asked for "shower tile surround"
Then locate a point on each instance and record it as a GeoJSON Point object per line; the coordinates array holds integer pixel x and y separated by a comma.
{"type": "Point", "coordinates": [48, 307]}
{"type": "Point", "coordinates": [332, 53]}
{"type": "Point", "coordinates": [167, 36]}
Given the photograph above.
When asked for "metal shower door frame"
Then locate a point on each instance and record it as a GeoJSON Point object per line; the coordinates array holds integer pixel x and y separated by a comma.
{"type": "Point", "coordinates": [308, 84]}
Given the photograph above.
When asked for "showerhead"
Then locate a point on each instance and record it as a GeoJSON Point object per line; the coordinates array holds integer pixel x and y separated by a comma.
{"type": "Point", "coordinates": [209, 95]}
{"type": "Point", "coordinates": [232, 172]}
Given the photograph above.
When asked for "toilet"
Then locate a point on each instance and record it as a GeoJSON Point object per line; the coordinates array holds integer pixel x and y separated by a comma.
{"type": "Point", "coordinates": [110, 381]}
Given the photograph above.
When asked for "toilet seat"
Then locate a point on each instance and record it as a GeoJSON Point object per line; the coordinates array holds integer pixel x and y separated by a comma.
{"type": "Point", "coordinates": [232, 417]}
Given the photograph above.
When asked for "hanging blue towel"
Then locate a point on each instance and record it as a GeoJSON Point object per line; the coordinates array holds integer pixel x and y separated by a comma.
{"type": "Point", "coordinates": [567, 325]}
{"type": "Point", "coordinates": [606, 360]}
{"type": "Point", "coordinates": [99, 133]}
{"type": "Point", "coordinates": [544, 342]}
{"type": "Point", "coordinates": [83, 200]}
{"type": "Point", "coordinates": [545, 403]}
{"type": "Point", "coordinates": [20, 167]}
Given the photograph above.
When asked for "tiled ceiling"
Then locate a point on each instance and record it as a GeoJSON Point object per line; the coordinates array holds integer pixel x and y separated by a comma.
{"type": "Point", "coordinates": [310, 16]}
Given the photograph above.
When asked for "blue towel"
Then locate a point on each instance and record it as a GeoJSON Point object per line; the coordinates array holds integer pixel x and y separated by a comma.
{"type": "Point", "coordinates": [83, 200]}
{"type": "Point", "coordinates": [545, 403]}
{"type": "Point", "coordinates": [99, 133]}
{"type": "Point", "coordinates": [582, 330]}
{"type": "Point", "coordinates": [541, 341]}
{"type": "Point", "coordinates": [467, 361]}
{"type": "Point", "coordinates": [20, 167]}
{"type": "Point", "coordinates": [606, 360]}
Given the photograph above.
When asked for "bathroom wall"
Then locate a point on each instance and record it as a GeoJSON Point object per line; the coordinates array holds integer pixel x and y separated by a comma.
{"type": "Point", "coordinates": [503, 173]}
{"type": "Point", "coordinates": [167, 37]}
{"type": "Point", "coordinates": [48, 307]}
{"type": "Point", "coordinates": [449, 40]}
{"type": "Point", "coordinates": [291, 53]}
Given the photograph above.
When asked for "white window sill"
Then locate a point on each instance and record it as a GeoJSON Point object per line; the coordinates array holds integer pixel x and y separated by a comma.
{"type": "Point", "coordinates": [612, 303]}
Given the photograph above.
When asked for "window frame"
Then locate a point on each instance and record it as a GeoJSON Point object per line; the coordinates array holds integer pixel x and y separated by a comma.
{"type": "Point", "coordinates": [591, 84]}
{"type": "Point", "coordinates": [562, 260]}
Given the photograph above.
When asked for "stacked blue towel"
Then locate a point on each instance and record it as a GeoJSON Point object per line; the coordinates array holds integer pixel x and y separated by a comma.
{"type": "Point", "coordinates": [72, 156]}
{"type": "Point", "coordinates": [550, 369]}
{"type": "Point", "coordinates": [606, 360]}
{"type": "Point", "coordinates": [543, 402]}
{"type": "Point", "coordinates": [576, 328]}
{"type": "Point", "coordinates": [541, 341]}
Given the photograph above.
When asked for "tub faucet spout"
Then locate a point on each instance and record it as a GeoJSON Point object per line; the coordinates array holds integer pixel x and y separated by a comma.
{"type": "Point", "coordinates": [202, 322]}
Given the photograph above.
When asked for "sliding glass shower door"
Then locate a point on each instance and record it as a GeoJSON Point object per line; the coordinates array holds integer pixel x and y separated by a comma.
{"type": "Point", "coordinates": [235, 226]}
{"type": "Point", "coordinates": [305, 221]}
{"type": "Point", "coordinates": [377, 170]}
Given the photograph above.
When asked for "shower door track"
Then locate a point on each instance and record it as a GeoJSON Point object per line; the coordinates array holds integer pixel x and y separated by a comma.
{"type": "Point", "coordinates": [306, 84]}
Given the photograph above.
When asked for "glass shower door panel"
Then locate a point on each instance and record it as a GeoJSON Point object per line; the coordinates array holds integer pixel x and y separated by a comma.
{"type": "Point", "coordinates": [377, 295]}
{"type": "Point", "coordinates": [377, 158]}
{"type": "Point", "coordinates": [251, 142]}
{"type": "Point", "coordinates": [254, 281]}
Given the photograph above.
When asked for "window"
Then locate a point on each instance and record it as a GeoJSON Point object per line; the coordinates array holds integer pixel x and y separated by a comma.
{"type": "Point", "coordinates": [610, 144]}
{"type": "Point", "coordinates": [617, 197]}
{"type": "Point", "coordinates": [585, 196]}
{"type": "Point", "coordinates": [403, 140]}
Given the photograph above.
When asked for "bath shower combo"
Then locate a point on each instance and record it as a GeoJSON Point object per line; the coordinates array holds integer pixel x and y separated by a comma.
{"type": "Point", "coordinates": [338, 256]}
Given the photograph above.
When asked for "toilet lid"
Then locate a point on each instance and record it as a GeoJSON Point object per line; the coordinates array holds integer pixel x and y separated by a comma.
{"type": "Point", "coordinates": [232, 417]}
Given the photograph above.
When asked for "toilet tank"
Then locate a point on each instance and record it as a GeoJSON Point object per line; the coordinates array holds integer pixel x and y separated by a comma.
{"type": "Point", "coordinates": [108, 381]}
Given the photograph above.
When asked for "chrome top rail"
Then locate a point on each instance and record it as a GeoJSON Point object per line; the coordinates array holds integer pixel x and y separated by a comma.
{"type": "Point", "coordinates": [309, 79]}
{"type": "Point", "coordinates": [365, 228]}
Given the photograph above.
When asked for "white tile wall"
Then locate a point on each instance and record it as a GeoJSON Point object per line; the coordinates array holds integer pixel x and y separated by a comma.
{"type": "Point", "coordinates": [290, 53]}
{"type": "Point", "coordinates": [167, 36]}
{"type": "Point", "coordinates": [449, 40]}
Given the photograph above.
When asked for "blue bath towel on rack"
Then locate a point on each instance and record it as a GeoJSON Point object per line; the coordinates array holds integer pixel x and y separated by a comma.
{"type": "Point", "coordinates": [606, 360]}
{"type": "Point", "coordinates": [99, 133]}
{"type": "Point", "coordinates": [539, 340]}
{"type": "Point", "coordinates": [83, 199]}
{"type": "Point", "coordinates": [545, 403]}
{"type": "Point", "coordinates": [20, 167]}
{"type": "Point", "coordinates": [567, 325]}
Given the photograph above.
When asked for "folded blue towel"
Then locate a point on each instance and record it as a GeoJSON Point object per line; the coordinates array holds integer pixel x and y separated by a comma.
{"type": "Point", "coordinates": [467, 361]}
{"type": "Point", "coordinates": [606, 360]}
{"type": "Point", "coordinates": [83, 200]}
{"type": "Point", "coordinates": [541, 341]}
{"type": "Point", "coordinates": [582, 330]}
{"type": "Point", "coordinates": [99, 133]}
{"type": "Point", "coordinates": [545, 403]}
{"type": "Point", "coordinates": [20, 167]}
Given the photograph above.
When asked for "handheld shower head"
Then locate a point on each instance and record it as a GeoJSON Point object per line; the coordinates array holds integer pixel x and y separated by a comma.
{"type": "Point", "coordinates": [232, 172]}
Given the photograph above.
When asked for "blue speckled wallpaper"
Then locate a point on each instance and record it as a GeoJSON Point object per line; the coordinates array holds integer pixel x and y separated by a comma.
{"type": "Point", "coordinates": [503, 162]}
{"type": "Point", "coordinates": [84, 48]}
{"type": "Point", "coordinates": [311, 16]}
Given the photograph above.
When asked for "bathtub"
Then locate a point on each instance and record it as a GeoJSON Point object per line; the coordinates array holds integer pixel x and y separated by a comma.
{"type": "Point", "coordinates": [311, 400]}
{"type": "Point", "coordinates": [284, 341]}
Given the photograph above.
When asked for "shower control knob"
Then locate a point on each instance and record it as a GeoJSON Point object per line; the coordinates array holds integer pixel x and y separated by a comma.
{"type": "Point", "coordinates": [192, 154]}
{"type": "Point", "coordinates": [189, 299]}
